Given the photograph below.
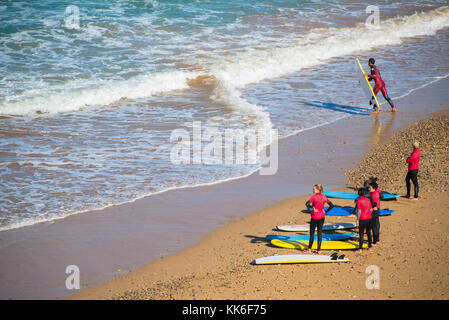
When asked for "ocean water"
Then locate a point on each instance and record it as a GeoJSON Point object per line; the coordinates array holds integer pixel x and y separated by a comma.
{"type": "Point", "coordinates": [92, 91]}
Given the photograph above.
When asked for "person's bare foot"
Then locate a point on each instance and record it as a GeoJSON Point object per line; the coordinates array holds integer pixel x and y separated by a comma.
{"type": "Point", "coordinates": [308, 251]}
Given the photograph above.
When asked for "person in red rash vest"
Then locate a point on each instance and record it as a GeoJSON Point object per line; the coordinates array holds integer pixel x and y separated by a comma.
{"type": "Point", "coordinates": [316, 203]}
{"type": "Point", "coordinates": [364, 217]}
{"type": "Point", "coordinates": [379, 86]}
{"type": "Point", "coordinates": [413, 167]}
{"type": "Point", "coordinates": [375, 202]}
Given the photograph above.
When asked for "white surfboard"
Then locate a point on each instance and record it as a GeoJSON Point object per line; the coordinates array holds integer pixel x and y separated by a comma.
{"type": "Point", "coordinates": [300, 258]}
{"type": "Point", "coordinates": [326, 226]}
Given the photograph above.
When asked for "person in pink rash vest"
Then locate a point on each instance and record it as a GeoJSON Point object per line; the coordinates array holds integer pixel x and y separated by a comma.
{"type": "Point", "coordinates": [375, 202]}
{"type": "Point", "coordinates": [364, 218]}
{"type": "Point", "coordinates": [413, 168]}
{"type": "Point", "coordinates": [316, 203]}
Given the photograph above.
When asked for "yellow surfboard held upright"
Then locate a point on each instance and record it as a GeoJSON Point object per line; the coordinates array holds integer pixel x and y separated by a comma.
{"type": "Point", "coordinates": [368, 83]}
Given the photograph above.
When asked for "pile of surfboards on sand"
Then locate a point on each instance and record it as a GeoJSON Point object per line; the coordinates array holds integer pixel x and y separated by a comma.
{"type": "Point", "coordinates": [329, 241]}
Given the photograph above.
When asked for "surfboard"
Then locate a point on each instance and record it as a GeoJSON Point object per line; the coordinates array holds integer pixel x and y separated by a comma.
{"type": "Point", "coordinates": [325, 245]}
{"type": "Point", "coordinates": [346, 211]}
{"type": "Point", "coordinates": [300, 258]}
{"type": "Point", "coordinates": [326, 226]}
{"type": "Point", "coordinates": [354, 195]}
{"type": "Point", "coordinates": [366, 85]}
{"type": "Point", "coordinates": [305, 237]}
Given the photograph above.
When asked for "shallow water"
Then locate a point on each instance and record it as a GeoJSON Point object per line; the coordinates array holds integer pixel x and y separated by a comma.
{"type": "Point", "coordinates": [87, 112]}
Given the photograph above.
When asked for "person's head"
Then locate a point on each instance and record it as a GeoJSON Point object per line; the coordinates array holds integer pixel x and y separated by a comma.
{"type": "Point", "coordinates": [373, 186]}
{"type": "Point", "coordinates": [361, 192]}
{"type": "Point", "coordinates": [416, 145]}
{"type": "Point", "coordinates": [318, 188]}
{"type": "Point", "coordinates": [366, 183]}
{"type": "Point", "coordinates": [371, 62]}
{"type": "Point", "coordinates": [369, 181]}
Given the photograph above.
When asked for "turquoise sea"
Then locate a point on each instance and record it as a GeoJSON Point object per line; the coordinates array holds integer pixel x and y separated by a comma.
{"type": "Point", "coordinates": [91, 91]}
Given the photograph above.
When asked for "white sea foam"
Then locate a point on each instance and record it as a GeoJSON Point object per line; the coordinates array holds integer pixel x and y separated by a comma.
{"type": "Point", "coordinates": [253, 66]}
{"type": "Point", "coordinates": [235, 72]}
{"type": "Point", "coordinates": [319, 45]}
{"type": "Point", "coordinates": [71, 97]}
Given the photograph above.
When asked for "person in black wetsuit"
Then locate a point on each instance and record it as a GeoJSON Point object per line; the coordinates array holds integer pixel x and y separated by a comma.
{"type": "Point", "coordinates": [316, 203]}
{"type": "Point", "coordinates": [375, 202]}
{"type": "Point", "coordinates": [413, 168]}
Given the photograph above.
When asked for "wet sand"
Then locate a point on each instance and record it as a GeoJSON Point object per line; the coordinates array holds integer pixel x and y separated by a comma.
{"type": "Point", "coordinates": [412, 257]}
{"type": "Point", "coordinates": [113, 242]}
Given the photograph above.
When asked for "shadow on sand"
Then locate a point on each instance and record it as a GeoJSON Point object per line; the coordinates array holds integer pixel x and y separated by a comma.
{"type": "Point", "coordinates": [337, 107]}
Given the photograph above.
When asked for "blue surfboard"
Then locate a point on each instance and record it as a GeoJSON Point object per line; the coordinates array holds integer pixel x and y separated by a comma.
{"type": "Point", "coordinates": [346, 211]}
{"type": "Point", "coordinates": [353, 195]}
{"type": "Point", "coordinates": [305, 237]}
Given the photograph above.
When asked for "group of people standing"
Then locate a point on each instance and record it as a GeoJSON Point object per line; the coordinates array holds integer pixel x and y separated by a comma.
{"type": "Point", "coordinates": [367, 205]}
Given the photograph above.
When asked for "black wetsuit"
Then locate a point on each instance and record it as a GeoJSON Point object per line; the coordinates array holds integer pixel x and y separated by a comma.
{"type": "Point", "coordinates": [318, 224]}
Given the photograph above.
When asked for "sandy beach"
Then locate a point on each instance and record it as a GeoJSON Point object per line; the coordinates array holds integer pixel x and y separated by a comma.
{"type": "Point", "coordinates": [412, 256]}
{"type": "Point", "coordinates": [168, 240]}
{"type": "Point", "coordinates": [127, 134]}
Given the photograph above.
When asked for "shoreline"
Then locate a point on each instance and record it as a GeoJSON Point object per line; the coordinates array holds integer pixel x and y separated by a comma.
{"type": "Point", "coordinates": [118, 236]}
{"type": "Point", "coordinates": [182, 279]}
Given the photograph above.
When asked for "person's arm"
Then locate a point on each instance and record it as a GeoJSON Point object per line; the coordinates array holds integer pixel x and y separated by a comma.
{"type": "Point", "coordinates": [373, 202]}
{"type": "Point", "coordinates": [354, 212]}
{"type": "Point", "coordinates": [359, 213]}
{"type": "Point", "coordinates": [373, 74]}
{"type": "Point", "coordinates": [308, 204]}
{"type": "Point", "coordinates": [413, 156]}
{"type": "Point", "coordinates": [331, 205]}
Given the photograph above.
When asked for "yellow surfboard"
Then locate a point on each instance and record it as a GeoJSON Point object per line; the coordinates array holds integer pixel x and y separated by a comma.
{"type": "Point", "coordinates": [367, 88]}
{"type": "Point", "coordinates": [325, 245]}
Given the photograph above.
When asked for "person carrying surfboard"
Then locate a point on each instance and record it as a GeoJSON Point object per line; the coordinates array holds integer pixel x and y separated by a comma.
{"type": "Point", "coordinates": [316, 203]}
{"type": "Point", "coordinates": [379, 86]}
